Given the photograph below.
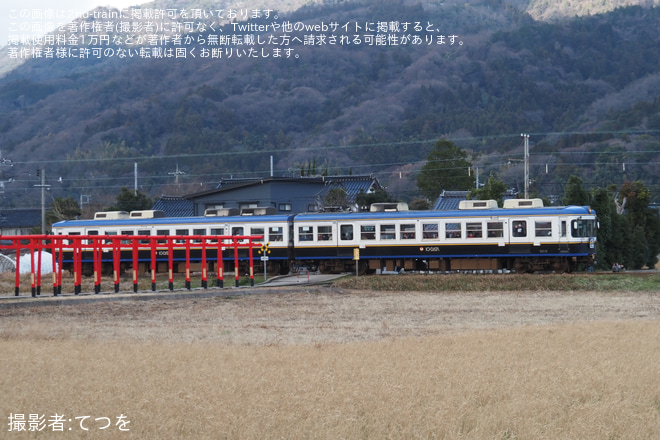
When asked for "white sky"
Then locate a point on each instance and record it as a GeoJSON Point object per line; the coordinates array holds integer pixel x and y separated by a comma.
{"type": "Point", "coordinates": [74, 5]}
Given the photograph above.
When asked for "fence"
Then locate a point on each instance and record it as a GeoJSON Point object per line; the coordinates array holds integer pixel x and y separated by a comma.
{"type": "Point", "coordinates": [96, 253]}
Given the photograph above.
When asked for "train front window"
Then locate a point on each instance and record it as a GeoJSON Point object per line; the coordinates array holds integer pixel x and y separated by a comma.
{"type": "Point", "coordinates": [583, 228]}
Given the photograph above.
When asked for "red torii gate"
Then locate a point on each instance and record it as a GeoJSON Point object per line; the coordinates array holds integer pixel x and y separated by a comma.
{"type": "Point", "coordinates": [75, 245]}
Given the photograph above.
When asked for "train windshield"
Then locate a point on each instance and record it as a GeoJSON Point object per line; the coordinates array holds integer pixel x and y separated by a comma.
{"type": "Point", "coordinates": [583, 228]}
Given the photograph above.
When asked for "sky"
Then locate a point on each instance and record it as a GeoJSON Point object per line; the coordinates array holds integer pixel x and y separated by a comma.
{"type": "Point", "coordinates": [74, 5]}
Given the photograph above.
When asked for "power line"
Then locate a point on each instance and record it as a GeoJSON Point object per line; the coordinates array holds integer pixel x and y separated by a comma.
{"type": "Point", "coordinates": [348, 146]}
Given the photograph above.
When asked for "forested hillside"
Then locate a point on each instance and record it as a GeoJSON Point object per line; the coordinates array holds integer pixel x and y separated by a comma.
{"type": "Point", "coordinates": [586, 88]}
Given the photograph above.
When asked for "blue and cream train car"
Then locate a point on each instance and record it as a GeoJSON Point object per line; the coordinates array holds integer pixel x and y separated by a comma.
{"type": "Point", "coordinates": [216, 222]}
{"type": "Point", "coordinates": [478, 236]}
{"type": "Point", "coordinates": [523, 236]}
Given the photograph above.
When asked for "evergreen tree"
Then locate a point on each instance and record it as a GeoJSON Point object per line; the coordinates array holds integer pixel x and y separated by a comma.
{"type": "Point", "coordinates": [494, 189]}
{"type": "Point", "coordinates": [337, 197]}
{"type": "Point", "coordinates": [574, 193]}
{"type": "Point", "coordinates": [420, 204]}
{"type": "Point", "coordinates": [446, 168]}
{"type": "Point", "coordinates": [364, 200]}
{"type": "Point", "coordinates": [644, 224]}
{"type": "Point", "coordinates": [128, 201]}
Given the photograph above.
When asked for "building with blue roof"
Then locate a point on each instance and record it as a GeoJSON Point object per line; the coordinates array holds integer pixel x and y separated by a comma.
{"type": "Point", "coordinates": [19, 221]}
{"type": "Point", "coordinates": [175, 206]}
{"type": "Point", "coordinates": [288, 195]}
{"type": "Point", "coordinates": [449, 200]}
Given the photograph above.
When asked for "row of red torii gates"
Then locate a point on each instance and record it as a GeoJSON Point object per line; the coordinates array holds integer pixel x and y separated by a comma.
{"type": "Point", "coordinates": [69, 249]}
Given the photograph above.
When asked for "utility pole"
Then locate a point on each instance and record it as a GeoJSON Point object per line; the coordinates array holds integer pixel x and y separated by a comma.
{"type": "Point", "coordinates": [176, 174]}
{"type": "Point", "coordinates": [526, 139]}
{"type": "Point", "coordinates": [42, 172]}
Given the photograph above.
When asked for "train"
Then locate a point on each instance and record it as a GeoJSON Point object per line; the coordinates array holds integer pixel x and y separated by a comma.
{"type": "Point", "coordinates": [522, 236]}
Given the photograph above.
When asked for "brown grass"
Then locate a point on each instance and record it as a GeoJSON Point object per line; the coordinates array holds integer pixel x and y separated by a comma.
{"type": "Point", "coordinates": [326, 364]}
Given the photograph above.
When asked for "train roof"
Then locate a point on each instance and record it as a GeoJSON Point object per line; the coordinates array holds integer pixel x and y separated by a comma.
{"type": "Point", "coordinates": [497, 212]}
{"type": "Point", "coordinates": [168, 221]}
{"type": "Point", "coordinates": [248, 219]}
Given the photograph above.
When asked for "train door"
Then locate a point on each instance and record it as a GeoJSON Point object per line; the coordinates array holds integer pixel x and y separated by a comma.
{"type": "Point", "coordinates": [519, 231]}
{"type": "Point", "coordinates": [349, 239]}
{"type": "Point", "coordinates": [563, 236]}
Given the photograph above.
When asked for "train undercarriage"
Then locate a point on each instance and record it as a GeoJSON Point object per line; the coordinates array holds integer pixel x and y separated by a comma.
{"type": "Point", "coordinates": [559, 264]}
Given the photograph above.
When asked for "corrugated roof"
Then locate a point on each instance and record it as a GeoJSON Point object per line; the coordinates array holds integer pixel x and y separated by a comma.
{"type": "Point", "coordinates": [174, 206]}
{"type": "Point", "coordinates": [353, 185]}
{"type": "Point", "coordinates": [449, 200]}
{"type": "Point", "coordinates": [20, 218]}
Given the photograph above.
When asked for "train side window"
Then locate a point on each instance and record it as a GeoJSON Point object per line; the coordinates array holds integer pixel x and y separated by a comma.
{"type": "Point", "coordinates": [495, 229]}
{"type": "Point", "coordinates": [216, 231]}
{"type": "Point", "coordinates": [306, 233]}
{"type": "Point", "coordinates": [407, 231]}
{"type": "Point", "coordinates": [543, 229]}
{"type": "Point", "coordinates": [71, 233]}
{"type": "Point", "coordinates": [563, 228]}
{"type": "Point", "coordinates": [453, 230]}
{"type": "Point", "coordinates": [144, 232]}
{"type": "Point", "coordinates": [387, 232]}
{"type": "Point", "coordinates": [108, 241]}
{"type": "Point", "coordinates": [91, 232]}
{"type": "Point", "coordinates": [346, 232]}
{"type": "Point", "coordinates": [198, 232]}
{"type": "Point", "coordinates": [126, 233]}
{"type": "Point", "coordinates": [324, 233]}
{"type": "Point", "coordinates": [430, 231]}
{"type": "Point", "coordinates": [162, 232]}
{"type": "Point", "coordinates": [474, 230]}
{"type": "Point", "coordinates": [257, 231]}
{"type": "Point", "coordinates": [519, 228]}
{"type": "Point", "coordinates": [182, 232]}
{"type": "Point", "coordinates": [275, 234]}
{"type": "Point", "coordinates": [368, 232]}
{"type": "Point", "coordinates": [237, 230]}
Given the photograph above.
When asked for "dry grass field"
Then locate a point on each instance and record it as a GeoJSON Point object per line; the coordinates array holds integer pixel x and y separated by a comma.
{"type": "Point", "coordinates": [331, 362]}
